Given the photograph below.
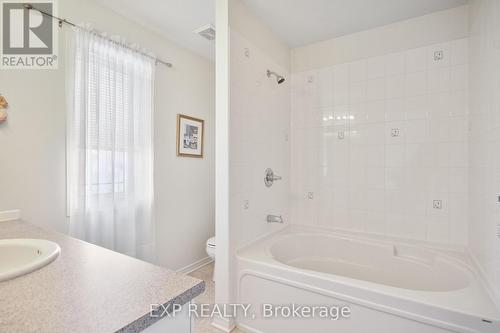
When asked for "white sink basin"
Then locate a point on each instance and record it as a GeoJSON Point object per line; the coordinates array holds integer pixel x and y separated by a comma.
{"type": "Point", "coordinates": [23, 256]}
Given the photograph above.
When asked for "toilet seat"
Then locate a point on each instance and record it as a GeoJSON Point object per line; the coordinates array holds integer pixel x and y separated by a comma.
{"type": "Point", "coordinates": [211, 251]}
{"type": "Point", "coordinates": [211, 242]}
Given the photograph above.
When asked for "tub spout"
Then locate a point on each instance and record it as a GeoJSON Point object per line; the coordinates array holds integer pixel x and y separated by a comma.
{"type": "Point", "coordinates": [274, 219]}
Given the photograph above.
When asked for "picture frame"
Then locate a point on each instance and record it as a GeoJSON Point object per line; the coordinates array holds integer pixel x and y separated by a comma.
{"type": "Point", "coordinates": [190, 136]}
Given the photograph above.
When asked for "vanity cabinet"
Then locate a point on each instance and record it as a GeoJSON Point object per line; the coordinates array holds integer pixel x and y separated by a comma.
{"type": "Point", "coordinates": [181, 323]}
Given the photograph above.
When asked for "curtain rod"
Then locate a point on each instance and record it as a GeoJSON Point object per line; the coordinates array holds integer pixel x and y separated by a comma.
{"type": "Point", "coordinates": [61, 21]}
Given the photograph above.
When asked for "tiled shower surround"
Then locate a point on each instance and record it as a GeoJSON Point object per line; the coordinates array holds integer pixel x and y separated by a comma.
{"type": "Point", "coordinates": [380, 144]}
{"type": "Point", "coordinates": [259, 120]}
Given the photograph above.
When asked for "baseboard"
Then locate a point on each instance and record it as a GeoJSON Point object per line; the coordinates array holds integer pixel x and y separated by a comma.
{"type": "Point", "coordinates": [10, 215]}
{"type": "Point", "coordinates": [247, 329]}
{"type": "Point", "coordinates": [196, 265]}
{"type": "Point", "coordinates": [224, 324]}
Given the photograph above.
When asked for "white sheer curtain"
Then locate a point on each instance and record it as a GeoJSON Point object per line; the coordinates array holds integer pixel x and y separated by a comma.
{"type": "Point", "coordinates": [110, 144]}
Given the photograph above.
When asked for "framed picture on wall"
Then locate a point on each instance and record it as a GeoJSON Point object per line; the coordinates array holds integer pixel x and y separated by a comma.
{"type": "Point", "coordinates": [190, 136]}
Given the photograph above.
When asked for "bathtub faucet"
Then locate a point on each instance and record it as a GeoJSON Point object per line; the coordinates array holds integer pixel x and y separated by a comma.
{"type": "Point", "coordinates": [274, 219]}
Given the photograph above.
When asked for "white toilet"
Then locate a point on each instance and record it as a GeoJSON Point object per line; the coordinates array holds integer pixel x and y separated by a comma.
{"type": "Point", "coordinates": [211, 251]}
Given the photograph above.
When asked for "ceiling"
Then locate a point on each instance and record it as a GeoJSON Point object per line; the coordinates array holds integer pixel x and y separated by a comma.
{"type": "Point", "coordinates": [174, 19]}
{"type": "Point", "coordinates": [302, 22]}
{"type": "Point", "coordinates": [296, 22]}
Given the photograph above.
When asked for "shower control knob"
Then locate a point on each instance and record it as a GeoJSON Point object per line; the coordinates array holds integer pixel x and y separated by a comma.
{"type": "Point", "coordinates": [270, 177]}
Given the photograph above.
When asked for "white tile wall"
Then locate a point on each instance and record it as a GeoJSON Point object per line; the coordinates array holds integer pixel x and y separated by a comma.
{"type": "Point", "coordinates": [259, 139]}
{"type": "Point", "coordinates": [484, 143]}
{"type": "Point", "coordinates": [378, 139]}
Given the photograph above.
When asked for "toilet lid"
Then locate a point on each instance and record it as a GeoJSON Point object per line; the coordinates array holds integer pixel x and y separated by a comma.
{"type": "Point", "coordinates": [211, 242]}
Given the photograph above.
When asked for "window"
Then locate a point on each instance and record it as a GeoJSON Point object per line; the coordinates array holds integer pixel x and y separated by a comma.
{"type": "Point", "coordinates": [110, 143]}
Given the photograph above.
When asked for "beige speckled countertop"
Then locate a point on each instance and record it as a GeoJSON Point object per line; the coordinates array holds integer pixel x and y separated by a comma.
{"type": "Point", "coordinates": [87, 289]}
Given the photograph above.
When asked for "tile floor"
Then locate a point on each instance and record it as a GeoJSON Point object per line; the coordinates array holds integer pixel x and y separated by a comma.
{"type": "Point", "coordinates": [203, 325]}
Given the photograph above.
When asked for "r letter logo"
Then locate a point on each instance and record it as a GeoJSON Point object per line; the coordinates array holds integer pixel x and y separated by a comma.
{"type": "Point", "coordinates": [28, 36]}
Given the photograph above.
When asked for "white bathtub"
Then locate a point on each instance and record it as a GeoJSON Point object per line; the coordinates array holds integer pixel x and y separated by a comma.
{"type": "Point", "coordinates": [390, 285]}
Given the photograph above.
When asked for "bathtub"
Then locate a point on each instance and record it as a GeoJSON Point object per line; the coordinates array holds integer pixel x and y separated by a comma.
{"type": "Point", "coordinates": [389, 285]}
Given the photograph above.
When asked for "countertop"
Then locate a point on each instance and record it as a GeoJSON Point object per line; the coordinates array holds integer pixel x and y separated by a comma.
{"type": "Point", "coordinates": [87, 289]}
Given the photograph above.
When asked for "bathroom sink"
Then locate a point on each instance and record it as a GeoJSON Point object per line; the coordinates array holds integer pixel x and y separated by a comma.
{"type": "Point", "coordinates": [22, 256]}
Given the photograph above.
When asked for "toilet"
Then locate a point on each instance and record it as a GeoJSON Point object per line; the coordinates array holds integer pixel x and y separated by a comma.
{"type": "Point", "coordinates": [211, 251]}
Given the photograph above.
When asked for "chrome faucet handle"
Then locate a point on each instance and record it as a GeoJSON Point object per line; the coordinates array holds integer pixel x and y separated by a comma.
{"type": "Point", "coordinates": [270, 177]}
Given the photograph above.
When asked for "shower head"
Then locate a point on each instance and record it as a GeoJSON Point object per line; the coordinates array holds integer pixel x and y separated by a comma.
{"type": "Point", "coordinates": [280, 79]}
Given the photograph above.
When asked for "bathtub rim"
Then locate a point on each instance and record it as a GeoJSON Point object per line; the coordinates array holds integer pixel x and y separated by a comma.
{"type": "Point", "coordinates": [451, 249]}
{"type": "Point", "coordinates": [461, 256]}
{"type": "Point", "coordinates": [460, 264]}
{"type": "Point", "coordinates": [372, 305]}
{"type": "Point", "coordinates": [459, 250]}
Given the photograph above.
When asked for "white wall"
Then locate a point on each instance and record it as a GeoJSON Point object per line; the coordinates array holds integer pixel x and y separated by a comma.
{"type": "Point", "coordinates": [224, 253]}
{"type": "Point", "coordinates": [421, 31]}
{"type": "Point", "coordinates": [259, 129]}
{"type": "Point", "coordinates": [259, 118]}
{"type": "Point", "coordinates": [32, 160]}
{"type": "Point", "coordinates": [369, 180]}
{"type": "Point", "coordinates": [484, 145]}
{"type": "Point", "coordinates": [250, 27]}
{"type": "Point", "coordinates": [259, 126]}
